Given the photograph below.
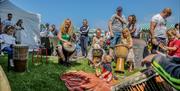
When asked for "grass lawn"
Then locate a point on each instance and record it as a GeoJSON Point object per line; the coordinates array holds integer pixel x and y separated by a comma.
{"type": "Point", "coordinates": [44, 77]}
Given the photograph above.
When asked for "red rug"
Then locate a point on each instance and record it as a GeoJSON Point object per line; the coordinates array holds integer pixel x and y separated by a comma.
{"type": "Point", "coordinates": [80, 81]}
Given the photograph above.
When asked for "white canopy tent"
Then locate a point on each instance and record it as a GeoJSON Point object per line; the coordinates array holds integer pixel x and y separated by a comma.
{"type": "Point", "coordinates": [31, 22]}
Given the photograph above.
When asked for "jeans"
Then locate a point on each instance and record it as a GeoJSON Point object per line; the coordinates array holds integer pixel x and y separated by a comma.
{"type": "Point", "coordinates": [9, 50]}
{"type": "Point", "coordinates": [78, 49]}
{"type": "Point", "coordinates": [116, 39]}
{"type": "Point", "coordinates": [84, 44]}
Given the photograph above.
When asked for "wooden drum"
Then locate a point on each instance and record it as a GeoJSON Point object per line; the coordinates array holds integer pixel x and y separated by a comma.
{"type": "Point", "coordinates": [68, 50]}
{"type": "Point", "coordinates": [97, 52]}
{"type": "Point", "coordinates": [121, 53]}
{"type": "Point", "coordinates": [20, 56]}
{"type": "Point", "coordinates": [97, 55]}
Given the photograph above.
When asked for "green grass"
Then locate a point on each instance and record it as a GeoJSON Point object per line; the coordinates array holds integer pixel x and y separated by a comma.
{"type": "Point", "coordinates": [44, 77]}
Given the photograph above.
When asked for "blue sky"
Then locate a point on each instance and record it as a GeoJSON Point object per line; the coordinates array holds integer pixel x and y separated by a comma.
{"type": "Point", "coordinates": [98, 12]}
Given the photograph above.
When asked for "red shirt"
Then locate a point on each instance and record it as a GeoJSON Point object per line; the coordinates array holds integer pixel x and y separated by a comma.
{"type": "Point", "coordinates": [174, 43]}
{"type": "Point", "coordinates": [107, 67]}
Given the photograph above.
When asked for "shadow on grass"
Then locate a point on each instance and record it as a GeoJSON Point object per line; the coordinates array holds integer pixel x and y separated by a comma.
{"type": "Point", "coordinates": [43, 77]}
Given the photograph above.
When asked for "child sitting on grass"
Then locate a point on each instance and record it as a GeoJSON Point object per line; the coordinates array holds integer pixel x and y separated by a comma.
{"type": "Point", "coordinates": [106, 69]}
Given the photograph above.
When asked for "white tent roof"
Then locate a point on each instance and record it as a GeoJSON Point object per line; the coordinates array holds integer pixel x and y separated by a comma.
{"type": "Point", "coordinates": [31, 22]}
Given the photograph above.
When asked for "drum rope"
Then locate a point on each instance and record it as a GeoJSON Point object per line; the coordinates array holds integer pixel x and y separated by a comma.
{"type": "Point", "coordinates": [20, 53]}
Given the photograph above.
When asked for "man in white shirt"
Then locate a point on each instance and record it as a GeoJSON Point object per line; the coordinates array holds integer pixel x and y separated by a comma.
{"type": "Point", "coordinates": [158, 28]}
{"type": "Point", "coordinates": [8, 21]}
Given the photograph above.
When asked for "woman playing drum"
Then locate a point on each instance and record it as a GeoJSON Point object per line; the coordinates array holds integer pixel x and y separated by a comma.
{"type": "Point", "coordinates": [64, 36]}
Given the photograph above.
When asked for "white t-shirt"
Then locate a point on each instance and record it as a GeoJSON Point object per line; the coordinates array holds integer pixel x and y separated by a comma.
{"type": "Point", "coordinates": [160, 29]}
{"type": "Point", "coordinates": [7, 22]}
{"type": "Point", "coordinates": [8, 40]}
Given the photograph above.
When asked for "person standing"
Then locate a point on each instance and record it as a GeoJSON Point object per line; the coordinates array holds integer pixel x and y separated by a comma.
{"type": "Point", "coordinates": [177, 30]}
{"type": "Point", "coordinates": [52, 34]}
{"type": "Point", "coordinates": [132, 24]}
{"type": "Point", "coordinates": [158, 28]}
{"type": "Point", "coordinates": [84, 37]}
{"type": "Point", "coordinates": [116, 24]}
{"type": "Point", "coordinates": [7, 21]}
{"type": "Point", "coordinates": [54, 30]}
{"type": "Point", "coordinates": [18, 29]}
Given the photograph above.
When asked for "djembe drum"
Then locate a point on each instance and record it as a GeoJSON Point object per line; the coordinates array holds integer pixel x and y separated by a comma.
{"type": "Point", "coordinates": [20, 56]}
{"type": "Point", "coordinates": [121, 53]}
{"type": "Point", "coordinates": [97, 55]}
{"type": "Point", "coordinates": [68, 50]}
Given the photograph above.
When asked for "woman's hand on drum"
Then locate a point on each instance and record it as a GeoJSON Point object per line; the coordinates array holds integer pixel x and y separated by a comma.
{"type": "Point", "coordinates": [67, 43]}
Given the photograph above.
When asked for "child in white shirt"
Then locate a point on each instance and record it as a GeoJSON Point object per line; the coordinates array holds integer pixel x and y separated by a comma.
{"type": "Point", "coordinates": [8, 42]}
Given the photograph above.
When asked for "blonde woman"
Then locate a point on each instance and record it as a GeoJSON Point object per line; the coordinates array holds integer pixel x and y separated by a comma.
{"type": "Point", "coordinates": [64, 36]}
{"type": "Point", "coordinates": [127, 41]}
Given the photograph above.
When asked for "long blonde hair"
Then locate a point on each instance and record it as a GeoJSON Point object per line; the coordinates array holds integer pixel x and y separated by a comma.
{"type": "Point", "coordinates": [129, 38]}
{"type": "Point", "coordinates": [70, 29]}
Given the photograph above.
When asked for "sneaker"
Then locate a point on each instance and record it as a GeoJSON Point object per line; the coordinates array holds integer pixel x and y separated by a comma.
{"type": "Point", "coordinates": [11, 63]}
{"type": "Point", "coordinates": [1, 54]}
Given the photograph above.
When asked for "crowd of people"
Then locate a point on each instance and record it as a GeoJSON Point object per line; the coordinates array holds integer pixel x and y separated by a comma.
{"type": "Point", "coordinates": [121, 32]}
{"type": "Point", "coordinates": [10, 34]}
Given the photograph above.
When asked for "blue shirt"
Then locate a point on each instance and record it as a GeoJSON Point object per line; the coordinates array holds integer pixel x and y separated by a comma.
{"type": "Point", "coordinates": [84, 30]}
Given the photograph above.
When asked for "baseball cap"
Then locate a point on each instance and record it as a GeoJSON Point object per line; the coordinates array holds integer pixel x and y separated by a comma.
{"type": "Point", "coordinates": [119, 9]}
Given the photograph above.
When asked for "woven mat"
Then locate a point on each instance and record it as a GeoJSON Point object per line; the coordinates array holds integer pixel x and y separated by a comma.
{"type": "Point", "coordinates": [80, 81]}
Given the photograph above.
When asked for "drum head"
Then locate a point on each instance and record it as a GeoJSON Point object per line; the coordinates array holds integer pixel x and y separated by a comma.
{"type": "Point", "coordinates": [69, 48]}
{"type": "Point", "coordinates": [97, 52]}
{"type": "Point", "coordinates": [20, 46]}
{"type": "Point", "coordinates": [121, 51]}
